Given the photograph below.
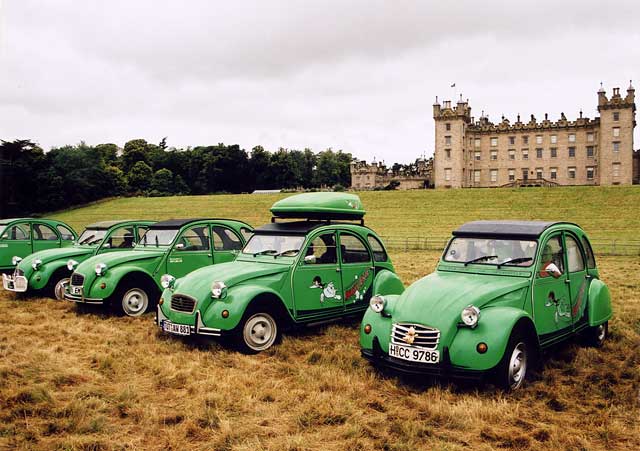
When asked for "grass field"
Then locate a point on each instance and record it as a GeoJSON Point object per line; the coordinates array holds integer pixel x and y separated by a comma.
{"type": "Point", "coordinates": [78, 380]}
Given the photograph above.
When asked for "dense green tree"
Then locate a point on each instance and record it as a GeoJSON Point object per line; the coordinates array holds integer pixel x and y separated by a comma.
{"type": "Point", "coordinates": [162, 182]}
{"type": "Point", "coordinates": [139, 177]}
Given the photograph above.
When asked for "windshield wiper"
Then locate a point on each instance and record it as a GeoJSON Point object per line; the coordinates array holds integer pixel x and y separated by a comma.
{"type": "Point", "coordinates": [96, 240]}
{"type": "Point", "coordinates": [266, 251]}
{"type": "Point", "coordinates": [87, 239]}
{"type": "Point", "coordinates": [515, 260]}
{"type": "Point", "coordinates": [479, 259]}
{"type": "Point", "coordinates": [287, 252]}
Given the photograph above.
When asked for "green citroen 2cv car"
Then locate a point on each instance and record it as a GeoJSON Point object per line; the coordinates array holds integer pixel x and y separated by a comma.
{"type": "Point", "coordinates": [49, 270]}
{"type": "Point", "coordinates": [502, 291]}
{"type": "Point", "coordinates": [22, 236]}
{"type": "Point", "coordinates": [289, 273]}
{"type": "Point", "coordinates": [130, 281]}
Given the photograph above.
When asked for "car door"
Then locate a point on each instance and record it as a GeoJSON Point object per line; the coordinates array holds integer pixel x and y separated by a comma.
{"type": "Point", "coordinates": [578, 277]}
{"type": "Point", "coordinates": [66, 235]}
{"type": "Point", "coordinates": [120, 239]}
{"type": "Point", "coordinates": [44, 237]}
{"type": "Point", "coordinates": [15, 241]}
{"type": "Point", "coordinates": [191, 250]}
{"type": "Point", "coordinates": [551, 296]}
{"type": "Point", "coordinates": [226, 244]}
{"type": "Point", "coordinates": [317, 282]}
{"type": "Point", "coordinates": [356, 266]}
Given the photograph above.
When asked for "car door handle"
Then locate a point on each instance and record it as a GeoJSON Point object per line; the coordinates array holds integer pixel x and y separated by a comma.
{"type": "Point", "coordinates": [337, 269]}
{"type": "Point", "coordinates": [567, 281]}
{"type": "Point", "coordinates": [208, 255]}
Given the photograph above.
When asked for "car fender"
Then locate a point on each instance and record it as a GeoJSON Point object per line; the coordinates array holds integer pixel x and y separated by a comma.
{"type": "Point", "coordinates": [45, 274]}
{"type": "Point", "coordinates": [236, 303]}
{"type": "Point", "coordinates": [599, 303]}
{"type": "Point", "coordinates": [387, 282]}
{"type": "Point", "coordinates": [494, 328]}
{"type": "Point", "coordinates": [112, 279]}
{"type": "Point", "coordinates": [380, 325]}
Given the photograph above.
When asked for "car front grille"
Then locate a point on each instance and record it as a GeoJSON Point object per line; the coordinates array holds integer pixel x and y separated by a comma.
{"type": "Point", "coordinates": [18, 273]}
{"type": "Point", "coordinates": [415, 335]}
{"type": "Point", "coordinates": [77, 279]}
{"type": "Point", "coordinates": [182, 303]}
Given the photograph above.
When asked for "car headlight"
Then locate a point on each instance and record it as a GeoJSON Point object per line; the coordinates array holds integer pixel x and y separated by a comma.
{"type": "Point", "coordinates": [71, 265]}
{"type": "Point", "coordinates": [167, 281]}
{"type": "Point", "coordinates": [218, 290]}
{"type": "Point", "coordinates": [15, 260]}
{"type": "Point", "coordinates": [101, 268]}
{"type": "Point", "coordinates": [470, 315]}
{"type": "Point", "coordinates": [36, 264]}
{"type": "Point", "coordinates": [377, 303]}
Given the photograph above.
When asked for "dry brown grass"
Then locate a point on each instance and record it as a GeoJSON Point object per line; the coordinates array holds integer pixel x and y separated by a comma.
{"type": "Point", "coordinates": [86, 381]}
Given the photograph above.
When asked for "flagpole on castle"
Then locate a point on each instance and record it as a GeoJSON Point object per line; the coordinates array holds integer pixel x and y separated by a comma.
{"type": "Point", "coordinates": [455, 93]}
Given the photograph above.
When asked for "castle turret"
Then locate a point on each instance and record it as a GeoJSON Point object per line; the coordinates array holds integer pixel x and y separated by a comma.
{"type": "Point", "coordinates": [449, 156]}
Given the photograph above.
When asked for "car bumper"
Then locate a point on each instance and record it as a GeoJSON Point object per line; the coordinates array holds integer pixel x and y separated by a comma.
{"type": "Point", "coordinates": [79, 297]}
{"type": "Point", "coordinates": [18, 284]}
{"type": "Point", "coordinates": [198, 328]}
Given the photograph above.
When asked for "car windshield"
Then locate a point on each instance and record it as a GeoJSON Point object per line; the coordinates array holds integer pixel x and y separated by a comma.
{"type": "Point", "coordinates": [288, 245]}
{"type": "Point", "coordinates": [158, 237]}
{"type": "Point", "coordinates": [491, 251]}
{"type": "Point", "coordinates": [2, 227]}
{"type": "Point", "coordinates": [92, 236]}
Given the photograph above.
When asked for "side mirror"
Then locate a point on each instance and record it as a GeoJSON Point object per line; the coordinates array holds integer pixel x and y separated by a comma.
{"type": "Point", "coordinates": [179, 246]}
{"type": "Point", "coordinates": [107, 246]}
{"type": "Point", "coordinates": [553, 270]}
{"type": "Point", "coordinates": [310, 259]}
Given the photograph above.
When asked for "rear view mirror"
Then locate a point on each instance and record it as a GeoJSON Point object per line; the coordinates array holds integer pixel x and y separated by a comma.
{"type": "Point", "coordinates": [310, 259]}
{"type": "Point", "coordinates": [553, 270]}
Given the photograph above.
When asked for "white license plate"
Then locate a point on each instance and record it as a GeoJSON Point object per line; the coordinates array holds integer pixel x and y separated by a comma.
{"type": "Point", "coordinates": [20, 283]}
{"type": "Point", "coordinates": [413, 354]}
{"type": "Point", "coordinates": [178, 329]}
{"type": "Point", "coordinates": [76, 290]}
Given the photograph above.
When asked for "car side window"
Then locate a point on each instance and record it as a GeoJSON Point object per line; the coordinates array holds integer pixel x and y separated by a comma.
{"type": "Point", "coordinates": [379, 254]}
{"type": "Point", "coordinates": [43, 232]}
{"type": "Point", "coordinates": [122, 238]}
{"type": "Point", "coordinates": [18, 232]}
{"type": "Point", "coordinates": [323, 247]}
{"type": "Point", "coordinates": [196, 239]}
{"type": "Point", "coordinates": [552, 253]}
{"type": "Point", "coordinates": [65, 233]}
{"type": "Point", "coordinates": [591, 260]}
{"type": "Point", "coordinates": [141, 231]}
{"type": "Point", "coordinates": [225, 239]}
{"type": "Point", "coordinates": [575, 262]}
{"type": "Point", "coordinates": [246, 233]}
{"type": "Point", "coordinates": [352, 249]}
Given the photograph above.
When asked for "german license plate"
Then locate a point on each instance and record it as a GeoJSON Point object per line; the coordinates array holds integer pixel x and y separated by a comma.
{"type": "Point", "coordinates": [75, 290]}
{"type": "Point", "coordinates": [177, 329]}
{"type": "Point", "coordinates": [413, 354]}
{"type": "Point", "coordinates": [20, 284]}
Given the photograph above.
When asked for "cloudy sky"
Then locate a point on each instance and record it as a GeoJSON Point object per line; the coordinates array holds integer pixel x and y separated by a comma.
{"type": "Point", "coordinates": [354, 75]}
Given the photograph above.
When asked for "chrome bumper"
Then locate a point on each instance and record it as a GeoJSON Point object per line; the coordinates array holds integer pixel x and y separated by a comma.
{"type": "Point", "coordinates": [17, 284]}
{"type": "Point", "coordinates": [197, 329]}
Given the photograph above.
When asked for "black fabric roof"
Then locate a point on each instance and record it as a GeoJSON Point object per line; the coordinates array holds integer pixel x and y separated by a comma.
{"type": "Point", "coordinates": [174, 223]}
{"type": "Point", "coordinates": [293, 227]}
{"type": "Point", "coordinates": [104, 225]}
{"type": "Point", "coordinates": [515, 229]}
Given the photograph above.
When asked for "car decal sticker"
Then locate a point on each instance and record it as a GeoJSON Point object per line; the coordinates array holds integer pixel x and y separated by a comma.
{"type": "Point", "coordinates": [561, 306]}
{"type": "Point", "coordinates": [328, 290]}
{"type": "Point", "coordinates": [357, 289]}
{"type": "Point", "coordinates": [579, 298]}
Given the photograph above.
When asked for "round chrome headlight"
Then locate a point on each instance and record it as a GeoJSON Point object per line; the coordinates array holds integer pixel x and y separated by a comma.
{"type": "Point", "coordinates": [101, 268]}
{"type": "Point", "coordinates": [36, 264]}
{"type": "Point", "coordinates": [218, 290]}
{"type": "Point", "coordinates": [15, 260]}
{"type": "Point", "coordinates": [167, 281]}
{"type": "Point", "coordinates": [71, 265]}
{"type": "Point", "coordinates": [470, 315]}
{"type": "Point", "coordinates": [377, 303]}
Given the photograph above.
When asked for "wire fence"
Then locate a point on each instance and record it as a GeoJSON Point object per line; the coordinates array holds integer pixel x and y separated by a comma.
{"type": "Point", "coordinates": [602, 247]}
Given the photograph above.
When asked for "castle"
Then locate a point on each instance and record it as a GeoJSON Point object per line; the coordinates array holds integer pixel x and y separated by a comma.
{"type": "Point", "coordinates": [417, 175]}
{"type": "Point", "coordinates": [599, 151]}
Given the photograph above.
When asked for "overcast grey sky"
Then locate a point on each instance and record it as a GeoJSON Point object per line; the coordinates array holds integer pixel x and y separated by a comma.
{"type": "Point", "coordinates": [354, 75]}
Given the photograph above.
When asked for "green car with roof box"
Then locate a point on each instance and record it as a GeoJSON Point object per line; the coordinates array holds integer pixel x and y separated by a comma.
{"type": "Point", "coordinates": [130, 281]}
{"type": "Point", "coordinates": [20, 237]}
{"type": "Point", "coordinates": [49, 270]}
{"type": "Point", "coordinates": [290, 273]}
{"type": "Point", "coordinates": [502, 292]}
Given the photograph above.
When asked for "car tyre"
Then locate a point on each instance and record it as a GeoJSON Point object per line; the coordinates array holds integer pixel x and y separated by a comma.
{"type": "Point", "coordinates": [516, 362]}
{"type": "Point", "coordinates": [596, 336]}
{"type": "Point", "coordinates": [258, 330]}
{"type": "Point", "coordinates": [132, 300]}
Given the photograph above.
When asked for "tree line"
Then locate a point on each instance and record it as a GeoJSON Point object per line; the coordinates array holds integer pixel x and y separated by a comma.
{"type": "Point", "coordinates": [33, 181]}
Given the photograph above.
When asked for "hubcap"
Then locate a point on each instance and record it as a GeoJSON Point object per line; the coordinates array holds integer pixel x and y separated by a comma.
{"type": "Point", "coordinates": [260, 331]}
{"type": "Point", "coordinates": [135, 302]}
{"type": "Point", "coordinates": [58, 290]}
{"type": "Point", "coordinates": [517, 365]}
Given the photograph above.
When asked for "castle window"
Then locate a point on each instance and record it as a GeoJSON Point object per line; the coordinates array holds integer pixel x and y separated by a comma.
{"type": "Point", "coordinates": [571, 172]}
{"type": "Point", "coordinates": [512, 154]}
{"type": "Point", "coordinates": [554, 139]}
{"type": "Point", "coordinates": [494, 142]}
{"type": "Point", "coordinates": [554, 152]}
{"type": "Point", "coordinates": [553, 173]}
{"type": "Point", "coordinates": [538, 153]}
{"type": "Point", "coordinates": [476, 143]}
{"type": "Point", "coordinates": [447, 154]}
{"type": "Point", "coordinates": [512, 140]}
{"type": "Point", "coordinates": [572, 152]}
{"type": "Point", "coordinates": [447, 126]}
{"type": "Point", "coordinates": [447, 140]}
{"type": "Point", "coordinates": [572, 137]}
{"type": "Point", "coordinates": [476, 176]}
{"type": "Point", "coordinates": [616, 115]}
{"type": "Point", "coordinates": [590, 151]}
{"type": "Point", "coordinates": [616, 169]}
{"type": "Point", "coordinates": [494, 154]}
{"type": "Point", "coordinates": [539, 173]}
{"type": "Point", "coordinates": [494, 175]}
{"type": "Point", "coordinates": [512, 175]}
{"type": "Point", "coordinates": [478, 155]}
{"type": "Point", "coordinates": [616, 131]}
{"type": "Point", "coordinates": [525, 174]}
{"type": "Point", "coordinates": [590, 137]}
{"type": "Point", "coordinates": [525, 154]}
{"type": "Point", "coordinates": [525, 140]}
{"type": "Point", "coordinates": [538, 139]}
{"type": "Point", "coordinates": [447, 174]}
{"type": "Point", "coordinates": [616, 146]}
{"type": "Point", "coordinates": [590, 172]}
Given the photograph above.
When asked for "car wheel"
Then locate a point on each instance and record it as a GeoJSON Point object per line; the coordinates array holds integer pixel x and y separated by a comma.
{"type": "Point", "coordinates": [512, 370]}
{"type": "Point", "coordinates": [134, 301]}
{"type": "Point", "coordinates": [597, 335]}
{"type": "Point", "coordinates": [58, 288]}
{"type": "Point", "coordinates": [258, 331]}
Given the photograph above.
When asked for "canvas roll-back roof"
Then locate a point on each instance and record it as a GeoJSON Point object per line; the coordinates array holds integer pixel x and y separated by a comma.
{"type": "Point", "coordinates": [325, 206]}
{"type": "Point", "coordinates": [507, 229]}
{"type": "Point", "coordinates": [289, 228]}
{"type": "Point", "coordinates": [105, 225]}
